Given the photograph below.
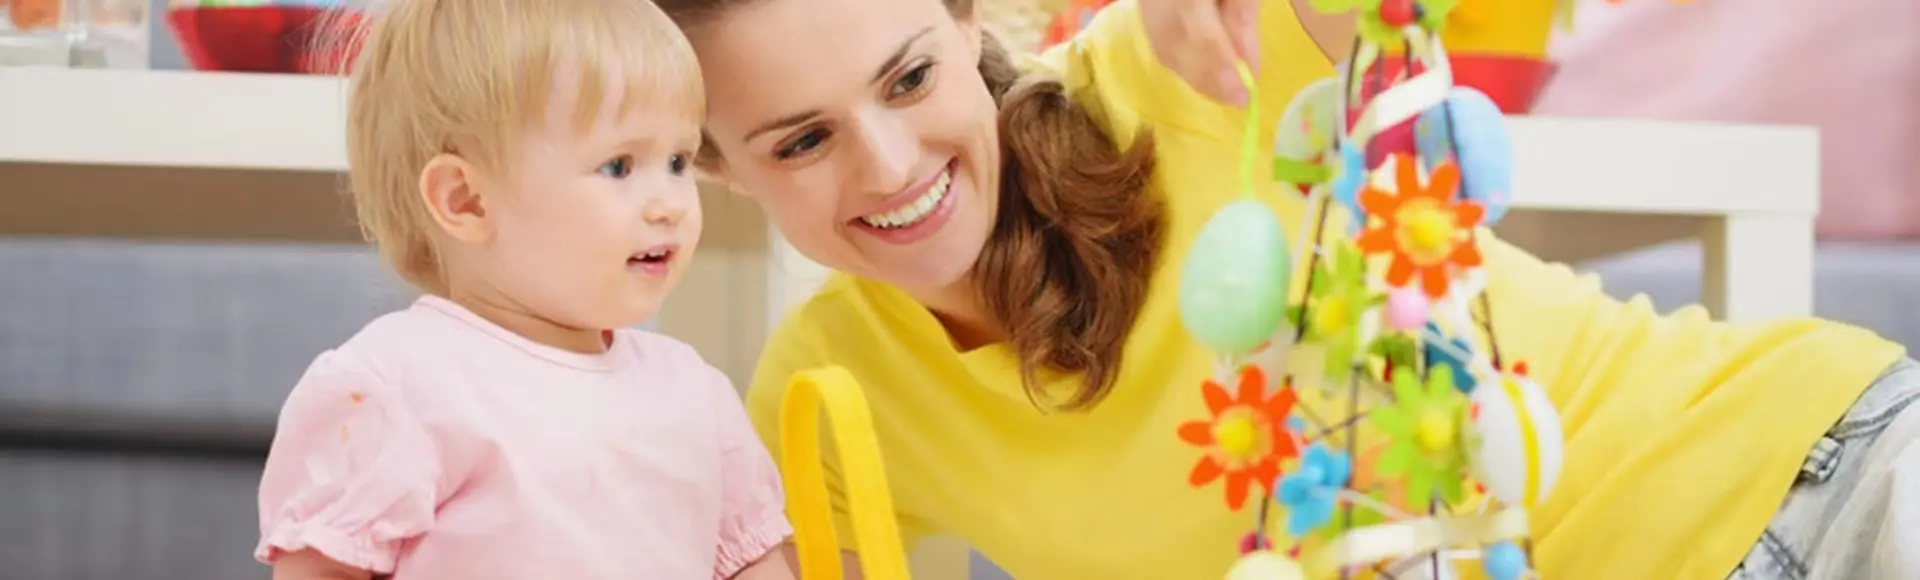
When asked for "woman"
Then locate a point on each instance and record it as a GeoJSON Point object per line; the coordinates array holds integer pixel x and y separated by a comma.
{"type": "Point", "coordinates": [1011, 246]}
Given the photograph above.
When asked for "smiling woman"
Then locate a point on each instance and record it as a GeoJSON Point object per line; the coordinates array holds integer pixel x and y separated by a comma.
{"type": "Point", "coordinates": [998, 203]}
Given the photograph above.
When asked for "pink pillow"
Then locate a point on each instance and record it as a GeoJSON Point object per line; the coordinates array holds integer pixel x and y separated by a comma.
{"type": "Point", "coordinates": [1850, 67]}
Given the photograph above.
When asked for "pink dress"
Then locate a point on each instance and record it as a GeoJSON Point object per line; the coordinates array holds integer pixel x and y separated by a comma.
{"type": "Point", "coordinates": [435, 444]}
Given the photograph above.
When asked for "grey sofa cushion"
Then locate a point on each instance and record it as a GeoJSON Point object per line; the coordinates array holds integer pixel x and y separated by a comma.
{"type": "Point", "coordinates": [198, 336]}
{"type": "Point", "coordinates": [119, 517]}
{"type": "Point", "coordinates": [1871, 285]}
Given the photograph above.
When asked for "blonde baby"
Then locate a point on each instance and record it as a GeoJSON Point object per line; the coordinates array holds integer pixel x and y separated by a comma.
{"type": "Point", "coordinates": [526, 164]}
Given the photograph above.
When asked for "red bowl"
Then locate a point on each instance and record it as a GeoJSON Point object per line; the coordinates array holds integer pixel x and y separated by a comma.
{"type": "Point", "coordinates": [267, 39]}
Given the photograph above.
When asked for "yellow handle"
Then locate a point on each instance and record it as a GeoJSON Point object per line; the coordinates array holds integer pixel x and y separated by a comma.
{"type": "Point", "coordinates": [871, 503]}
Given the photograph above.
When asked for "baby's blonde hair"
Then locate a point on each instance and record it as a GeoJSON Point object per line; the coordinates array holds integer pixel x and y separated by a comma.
{"type": "Point", "coordinates": [468, 77]}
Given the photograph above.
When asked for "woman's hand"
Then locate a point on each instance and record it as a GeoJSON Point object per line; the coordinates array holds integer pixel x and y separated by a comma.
{"type": "Point", "coordinates": [1201, 40]}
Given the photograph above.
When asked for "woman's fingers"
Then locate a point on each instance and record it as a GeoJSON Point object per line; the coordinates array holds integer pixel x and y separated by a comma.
{"type": "Point", "coordinates": [1202, 40]}
{"type": "Point", "coordinates": [1241, 18]}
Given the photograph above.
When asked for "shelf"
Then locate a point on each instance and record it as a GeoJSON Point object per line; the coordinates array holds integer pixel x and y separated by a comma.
{"type": "Point", "coordinates": [173, 119]}
{"type": "Point", "coordinates": [252, 143]}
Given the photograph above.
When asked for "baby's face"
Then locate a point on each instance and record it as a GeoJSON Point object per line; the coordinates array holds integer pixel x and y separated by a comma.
{"type": "Point", "coordinates": [597, 224]}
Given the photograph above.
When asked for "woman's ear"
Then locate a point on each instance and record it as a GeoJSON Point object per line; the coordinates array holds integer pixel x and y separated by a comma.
{"type": "Point", "coordinates": [711, 169]}
{"type": "Point", "coordinates": [450, 186]}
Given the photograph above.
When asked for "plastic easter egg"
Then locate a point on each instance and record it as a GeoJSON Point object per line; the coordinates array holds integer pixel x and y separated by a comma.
{"type": "Point", "coordinates": [1233, 287]}
{"type": "Point", "coordinates": [1310, 123]}
{"type": "Point", "coordinates": [1520, 444]}
{"type": "Point", "coordinates": [1265, 565]}
{"type": "Point", "coordinates": [1470, 128]}
{"type": "Point", "coordinates": [1406, 309]}
{"type": "Point", "coordinates": [1504, 561]}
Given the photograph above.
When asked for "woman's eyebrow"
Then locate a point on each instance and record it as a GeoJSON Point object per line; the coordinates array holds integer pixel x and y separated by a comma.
{"type": "Point", "coordinates": [800, 118]}
{"type": "Point", "coordinates": [899, 54]}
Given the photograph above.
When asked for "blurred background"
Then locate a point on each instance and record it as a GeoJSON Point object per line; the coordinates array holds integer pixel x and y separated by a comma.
{"type": "Point", "coordinates": [143, 361]}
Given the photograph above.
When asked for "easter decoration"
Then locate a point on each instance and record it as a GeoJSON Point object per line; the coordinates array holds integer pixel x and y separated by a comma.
{"type": "Point", "coordinates": [832, 390]}
{"type": "Point", "coordinates": [1394, 441]}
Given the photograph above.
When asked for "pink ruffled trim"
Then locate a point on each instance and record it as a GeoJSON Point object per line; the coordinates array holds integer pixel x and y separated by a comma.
{"type": "Point", "coordinates": [341, 547]}
{"type": "Point", "coordinates": [750, 543]}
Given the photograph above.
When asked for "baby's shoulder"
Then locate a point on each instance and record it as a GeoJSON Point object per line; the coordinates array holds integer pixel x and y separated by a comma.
{"type": "Point", "coordinates": [662, 358]}
{"type": "Point", "coordinates": [405, 348]}
{"type": "Point", "coordinates": [409, 336]}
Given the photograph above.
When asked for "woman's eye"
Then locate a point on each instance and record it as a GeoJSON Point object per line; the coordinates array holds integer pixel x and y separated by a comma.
{"type": "Point", "coordinates": [801, 145]}
{"type": "Point", "coordinates": [913, 80]}
{"type": "Point", "coordinates": [618, 167]}
{"type": "Point", "coordinates": [677, 163]}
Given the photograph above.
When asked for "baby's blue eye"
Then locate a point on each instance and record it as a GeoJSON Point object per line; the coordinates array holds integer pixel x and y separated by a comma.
{"type": "Point", "coordinates": [618, 167]}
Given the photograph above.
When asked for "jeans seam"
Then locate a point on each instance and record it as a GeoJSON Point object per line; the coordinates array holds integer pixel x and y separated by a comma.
{"type": "Point", "coordinates": [1857, 428]}
{"type": "Point", "coordinates": [1795, 568]}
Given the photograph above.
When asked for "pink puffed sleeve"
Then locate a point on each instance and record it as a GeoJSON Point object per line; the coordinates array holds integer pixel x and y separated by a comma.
{"type": "Point", "coordinates": [351, 474]}
{"type": "Point", "coordinates": [753, 518]}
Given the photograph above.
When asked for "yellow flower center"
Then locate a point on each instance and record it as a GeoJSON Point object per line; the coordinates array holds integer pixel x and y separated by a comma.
{"type": "Point", "coordinates": [1428, 230]}
{"type": "Point", "coordinates": [1434, 432]}
{"type": "Point", "coordinates": [1331, 314]}
{"type": "Point", "coordinates": [1236, 436]}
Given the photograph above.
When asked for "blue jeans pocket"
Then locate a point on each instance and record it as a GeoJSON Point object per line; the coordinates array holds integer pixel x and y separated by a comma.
{"type": "Point", "coordinates": [1827, 479]}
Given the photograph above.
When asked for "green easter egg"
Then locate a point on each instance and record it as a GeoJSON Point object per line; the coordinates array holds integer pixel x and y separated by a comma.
{"type": "Point", "coordinates": [1233, 288]}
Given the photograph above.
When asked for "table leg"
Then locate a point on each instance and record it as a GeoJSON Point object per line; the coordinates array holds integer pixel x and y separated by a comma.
{"type": "Point", "coordinates": [1758, 266]}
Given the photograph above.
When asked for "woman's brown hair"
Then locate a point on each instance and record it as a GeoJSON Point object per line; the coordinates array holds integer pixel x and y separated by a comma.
{"type": "Point", "coordinates": [1067, 266]}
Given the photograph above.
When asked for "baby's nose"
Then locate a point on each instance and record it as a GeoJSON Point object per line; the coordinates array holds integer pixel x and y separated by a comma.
{"type": "Point", "coordinates": [666, 209]}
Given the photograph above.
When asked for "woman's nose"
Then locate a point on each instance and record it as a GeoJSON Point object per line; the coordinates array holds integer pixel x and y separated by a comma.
{"type": "Point", "coordinates": [891, 148]}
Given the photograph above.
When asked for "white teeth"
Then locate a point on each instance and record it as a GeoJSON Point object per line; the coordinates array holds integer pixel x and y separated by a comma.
{"type": "Point", "coordinates": [912, 213]}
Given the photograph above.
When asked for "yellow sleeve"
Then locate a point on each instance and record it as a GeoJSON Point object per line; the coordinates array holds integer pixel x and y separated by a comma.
{"type": "Point", "coordinates": [1588, 349]}
{"type": "Point", "coordinates": [1564, 326]}
{"type": "Point", "coordinates": [795, 346]}
{"type": "Point", "coordinates": [1113, 57]}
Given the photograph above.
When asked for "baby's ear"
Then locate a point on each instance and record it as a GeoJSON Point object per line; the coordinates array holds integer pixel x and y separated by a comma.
{"type": "Point", "coordinates": [451, 188]}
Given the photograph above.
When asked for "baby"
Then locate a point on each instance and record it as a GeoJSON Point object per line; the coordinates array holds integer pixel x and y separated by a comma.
{"type": "Point", "coordinates": [526, 165]}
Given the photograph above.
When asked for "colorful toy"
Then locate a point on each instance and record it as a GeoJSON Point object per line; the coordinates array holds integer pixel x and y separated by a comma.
{"type": "Point", "coordinates": [870, 503]}
{"type": "Point", "coordinates": [1407, 445]}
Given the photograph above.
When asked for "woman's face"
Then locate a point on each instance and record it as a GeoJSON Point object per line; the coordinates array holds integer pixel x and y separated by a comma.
{"type": "Point", "coordinates": [862, 127]}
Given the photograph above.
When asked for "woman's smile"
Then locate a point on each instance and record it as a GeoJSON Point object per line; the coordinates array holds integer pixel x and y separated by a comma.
{"type": "Point", "coordinates": [914, 214]}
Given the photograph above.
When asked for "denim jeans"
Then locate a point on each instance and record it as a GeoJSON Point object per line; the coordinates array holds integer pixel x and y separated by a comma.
{"type": "Point", "coordinates": [1854, 512]}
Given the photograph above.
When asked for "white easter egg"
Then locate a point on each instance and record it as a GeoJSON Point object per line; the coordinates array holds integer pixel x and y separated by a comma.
{"type": "Point", "coordinates": [1264, 565]}
{"type": "Point", "coordinates": [1310, 123]}
{"type": "Point", "coordinates": [1521, 445]}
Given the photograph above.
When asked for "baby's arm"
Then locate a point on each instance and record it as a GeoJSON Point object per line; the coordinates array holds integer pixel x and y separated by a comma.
{"type": "Point", "coordinates": [311, 565]}
{"type": "Point", "coordinates": [780, 564]}
{"type": "Point", "coordinates": [351, 475]}
{"type": "Point", "coordinates": [753, 524]}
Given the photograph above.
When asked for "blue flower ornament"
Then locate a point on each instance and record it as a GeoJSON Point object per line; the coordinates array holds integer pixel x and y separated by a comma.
{"type": "Point", "coordinates": [1349, 176]}
{"type": "Point", "coordinates": [1312, 491]}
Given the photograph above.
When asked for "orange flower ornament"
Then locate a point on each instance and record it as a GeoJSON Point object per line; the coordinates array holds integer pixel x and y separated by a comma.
{"type": "Point", "coordinates": [1245, 439]}
{"type": "Point", "coordinates": [1424, 228]}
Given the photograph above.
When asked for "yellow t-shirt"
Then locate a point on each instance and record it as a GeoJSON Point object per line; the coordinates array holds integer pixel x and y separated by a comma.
{"type": "Point", "coordinates": [1682, 434]}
